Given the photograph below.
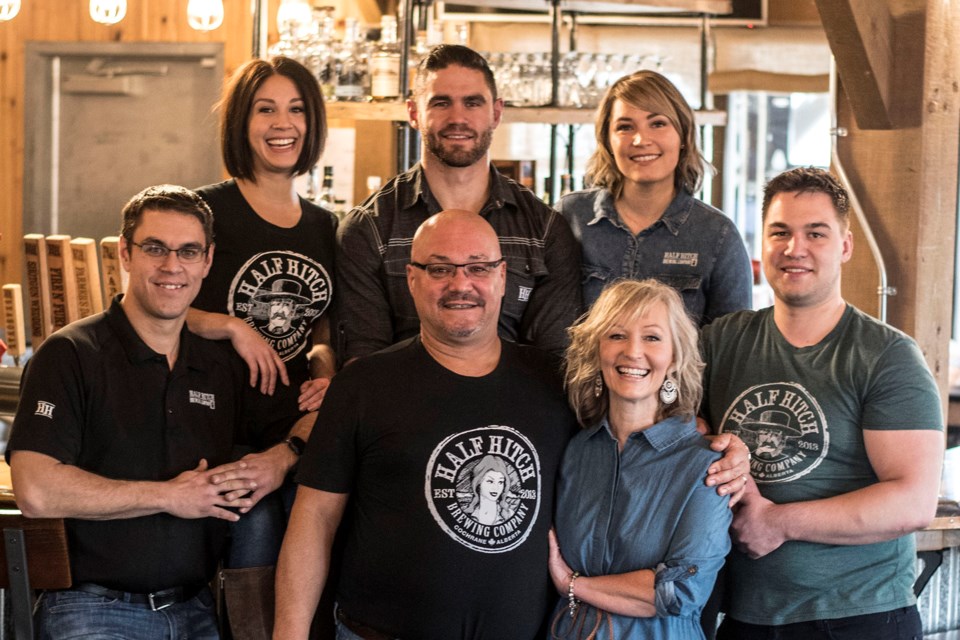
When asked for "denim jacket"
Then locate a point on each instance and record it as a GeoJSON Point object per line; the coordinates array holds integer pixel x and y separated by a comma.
{"type": "Point", "coordinates": [692, 247]}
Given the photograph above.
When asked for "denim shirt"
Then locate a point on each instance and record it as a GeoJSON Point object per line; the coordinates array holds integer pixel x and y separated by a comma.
{"type": "Point", "coordinates": [645, 507]}
{"type": "Point", "coordinates": [692, 247]}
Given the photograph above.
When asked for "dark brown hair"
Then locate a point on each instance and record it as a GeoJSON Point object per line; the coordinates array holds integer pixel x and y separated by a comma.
{"type": "Point", "coordinates": [166, 197]}
{"type": "Point", "coordinates": [444, 55]}
{"type": "Point", "coordinates": [237, 103]}
{"type": "Point", "coordinates": [809, 180]}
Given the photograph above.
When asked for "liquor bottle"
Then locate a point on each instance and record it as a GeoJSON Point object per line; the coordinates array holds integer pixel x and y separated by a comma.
{"type": "Point", "coordinates": [385, 62]}
{"type": "Point", "coordinates": [328, 197]}
{"type": "Point", "coordinates": [322, 52]}
{"type": "Point", "coordinates": [352, 76]}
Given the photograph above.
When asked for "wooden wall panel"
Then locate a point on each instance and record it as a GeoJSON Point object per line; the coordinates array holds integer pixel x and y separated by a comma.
{"type": "Point", "coordinates": [69, 21]}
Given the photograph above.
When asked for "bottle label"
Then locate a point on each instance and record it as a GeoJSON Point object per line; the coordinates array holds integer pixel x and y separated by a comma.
{"type": "Point", "coordinates": [385, 77]}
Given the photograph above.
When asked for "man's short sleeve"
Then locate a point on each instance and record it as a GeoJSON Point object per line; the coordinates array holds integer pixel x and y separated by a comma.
{"type": "Point", "coordinates": [330, 460]}
{"type": "Point", "coordinates": [902, 393]}
{"type": "Point", "coordinates": [51, 406]}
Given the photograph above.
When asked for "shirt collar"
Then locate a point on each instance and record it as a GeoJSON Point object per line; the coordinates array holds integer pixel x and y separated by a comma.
{"type": "Point", "coordinates": [415, 189]}
{"type": "Point", "coordinates": [138, 351]}
{"type": "Point", "coordinates": [661, 436]}
{"type": "Point", "coordinates": [677, 213]}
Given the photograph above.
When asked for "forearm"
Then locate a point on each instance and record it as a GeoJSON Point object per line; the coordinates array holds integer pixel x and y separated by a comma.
{"type": "Point", "coordinates": [322, 361]}
{"type": "Point", "coordinates": [627, 594]}
{"type": "Point", "coordinates": [880, 512]}
{"type": "Point", "coordinates": [60, 490]}
{"type": "Point", "coordinates": [209, 325]}
{"type": "Point", "coordinates": [304, 564]}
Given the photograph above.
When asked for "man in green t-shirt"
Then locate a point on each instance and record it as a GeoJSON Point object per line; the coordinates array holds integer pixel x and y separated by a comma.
{"type": "Point", "coordinates": [843, 419]}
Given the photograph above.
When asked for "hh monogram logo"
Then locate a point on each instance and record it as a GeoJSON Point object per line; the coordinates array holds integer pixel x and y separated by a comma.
{"type": "Point", "coordinates": [44, 409]}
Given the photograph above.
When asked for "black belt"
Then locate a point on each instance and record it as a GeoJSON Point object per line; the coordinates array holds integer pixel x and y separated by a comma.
{"type": "Point", "coordinates": [360, 629]}
{"type": "Point", "coordinates": [157, 600]}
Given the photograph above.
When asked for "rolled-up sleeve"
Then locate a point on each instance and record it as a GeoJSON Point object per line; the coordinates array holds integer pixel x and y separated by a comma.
{"type": "Point", "coordinates": [700, 544]}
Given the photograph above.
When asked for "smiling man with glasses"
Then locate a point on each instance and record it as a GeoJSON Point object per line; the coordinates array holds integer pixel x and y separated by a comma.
{"type": "Point", "coordinates": [125, 427]}
{"type": "Point", "coordinates": [406, 433]}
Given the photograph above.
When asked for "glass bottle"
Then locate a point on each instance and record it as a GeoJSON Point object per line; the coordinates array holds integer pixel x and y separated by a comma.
{"type": "Point", "coordinates": [385, 62]}
{"type": "Point", "coordinates": [328, 197]}
{"type": "Point", "coordinates": [352, 75]}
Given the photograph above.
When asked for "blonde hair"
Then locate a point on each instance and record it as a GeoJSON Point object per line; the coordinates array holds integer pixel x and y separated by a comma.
{"type": "Point", "coordinates": [624, 302]}
{"type": "Point", "coordinates": [650, 91]}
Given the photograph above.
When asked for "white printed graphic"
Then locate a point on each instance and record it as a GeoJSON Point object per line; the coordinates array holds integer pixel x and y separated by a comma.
{"type": "Point", "coordinates": [280, 294]}
{"type": "Point", "coordinates": [784, 428]}
{"type": "Point", "coordinates": [206, 399]}
{"type": "Point", "coordinates": [483, 488]}
{"type": "Point", "coordinates": [44, 409]}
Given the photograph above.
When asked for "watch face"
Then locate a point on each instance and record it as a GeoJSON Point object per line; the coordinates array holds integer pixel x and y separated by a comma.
{"type": "Point", "coordinates": [296, 444]}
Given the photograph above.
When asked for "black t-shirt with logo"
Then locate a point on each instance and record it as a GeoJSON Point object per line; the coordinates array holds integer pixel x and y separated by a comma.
{"type": "Point", "coordinates": [279, 281]}
{"type": "Point", "coordinates": [451, 482]}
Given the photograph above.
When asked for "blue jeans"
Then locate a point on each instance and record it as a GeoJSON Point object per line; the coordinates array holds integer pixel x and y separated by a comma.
{"type": "Point", "coordinates": [67, 615]}
{"type": "Point", "coordinates": [899, 624]}
{"type": "Point", "coordinates": [255, 539]}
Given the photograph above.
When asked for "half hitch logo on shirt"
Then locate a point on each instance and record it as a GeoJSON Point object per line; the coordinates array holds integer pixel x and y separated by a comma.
{"type": "Point", "coordinates": [483, 488]}
{"type": "Point", "coordinates": [280, 294]}
{"type": "Point", "coordinates": [784, 427]}
{"type": "Point", "coordinates": [677, 257]}
{"type": "Point", "coordinates": [206, 399]}
{"type": "Point", "coordinates": [45, 409]}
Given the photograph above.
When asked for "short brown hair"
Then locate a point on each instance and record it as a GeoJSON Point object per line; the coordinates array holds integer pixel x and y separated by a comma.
{"type": "Point", "coordinates": [809, 180]}
{"type": "Point", "coordinates": [237, 103]}
{"type": "Point", "coordinates": [166, 197]}
{"type": "Point", "coordinates": [626, 301]}
{"type": "Point", "coordinates": [444, 55]}
{"type": "Point", "coordinates": [650, 91]}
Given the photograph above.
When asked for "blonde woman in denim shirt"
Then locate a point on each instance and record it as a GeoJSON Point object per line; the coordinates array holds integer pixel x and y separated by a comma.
{"type": "Point", "coordinates": [639, 536]}
{"type": "Point", "coordinates": [640, 219]}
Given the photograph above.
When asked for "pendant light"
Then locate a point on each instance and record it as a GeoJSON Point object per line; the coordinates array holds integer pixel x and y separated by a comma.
{"type": "Point", "coordinates": [205, 15]}
{"type": "Point", "coordinates": [108, 11]}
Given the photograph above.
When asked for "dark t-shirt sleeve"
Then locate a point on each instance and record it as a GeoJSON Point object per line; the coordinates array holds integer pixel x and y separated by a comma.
{"type": "Point", "coordinates": [50, 410]}
{"type": "Point", "coordinates": [329, 461]}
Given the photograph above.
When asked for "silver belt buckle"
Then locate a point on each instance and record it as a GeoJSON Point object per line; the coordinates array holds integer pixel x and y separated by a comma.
{"type": "Point", "coordinates": [153, 605]}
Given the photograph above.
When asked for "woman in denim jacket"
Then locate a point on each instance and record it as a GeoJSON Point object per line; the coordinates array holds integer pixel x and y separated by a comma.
{"type": "Point", "coordinates": [640, 219]}
{"type": "Point", "coordinates": [639, 537]}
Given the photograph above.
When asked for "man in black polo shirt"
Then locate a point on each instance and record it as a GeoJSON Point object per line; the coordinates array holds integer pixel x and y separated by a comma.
{"type": "Point", "coordinates": [124, 427]}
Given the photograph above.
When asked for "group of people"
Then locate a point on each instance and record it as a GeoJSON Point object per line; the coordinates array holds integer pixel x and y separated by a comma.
{"type": "Point", "coordinates": [407, 365]}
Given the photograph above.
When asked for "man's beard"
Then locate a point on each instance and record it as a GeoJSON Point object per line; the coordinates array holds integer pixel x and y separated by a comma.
{"type": "Point", "coordinates": [459, 157]}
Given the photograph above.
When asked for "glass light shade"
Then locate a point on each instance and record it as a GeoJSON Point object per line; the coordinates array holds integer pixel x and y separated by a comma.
{"type": "Point", "coordinates": [108, 11]}
{"type": "Point", "coordinates": [205, 15]}
{"type": "Point", "coordinates": [9, 9]}
{"type": "Point", "coordinates": [294, 17]}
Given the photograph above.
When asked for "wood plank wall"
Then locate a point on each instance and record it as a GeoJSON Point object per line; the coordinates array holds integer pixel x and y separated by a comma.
{"type": "Point", "coordinates": [69, 21]}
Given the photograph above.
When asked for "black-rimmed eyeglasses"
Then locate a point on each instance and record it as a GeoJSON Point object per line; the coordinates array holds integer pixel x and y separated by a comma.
{"type": "Point", "coordinates": [447, 270]}
{"type": "Point", "coordinates": [188, 255]}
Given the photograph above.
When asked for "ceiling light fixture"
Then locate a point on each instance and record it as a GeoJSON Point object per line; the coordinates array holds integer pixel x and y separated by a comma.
{"type": "Point", "coordinates": [9, 9]}
{"type": "Point", "coordinates": [205, 15]}
{"type": "Point", "coordinates": [108, 11]}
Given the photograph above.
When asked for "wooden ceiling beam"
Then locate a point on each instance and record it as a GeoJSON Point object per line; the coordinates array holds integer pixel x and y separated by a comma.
{"type": "Point", "coordinates": [861, 36]}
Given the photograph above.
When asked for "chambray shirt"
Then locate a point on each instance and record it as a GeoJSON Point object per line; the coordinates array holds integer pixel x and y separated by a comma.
{"type": "Point", "coordinates": [693, 247]}
{"type": "Point", "coordinates": [645, 507]}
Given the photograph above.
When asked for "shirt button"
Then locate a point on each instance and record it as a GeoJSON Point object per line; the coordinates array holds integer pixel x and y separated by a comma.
{"type": "Point", "coordinates": [692, 570]}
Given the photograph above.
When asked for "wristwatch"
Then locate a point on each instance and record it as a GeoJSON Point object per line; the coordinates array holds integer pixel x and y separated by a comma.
{"type": "Point", "coordinates": [296, 444]}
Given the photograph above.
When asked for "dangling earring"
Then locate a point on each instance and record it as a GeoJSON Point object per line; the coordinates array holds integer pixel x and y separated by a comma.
{"type": "Point", "coordinates": [598, 386]}
{"type": "Point", "coordinates": [668, 391]}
